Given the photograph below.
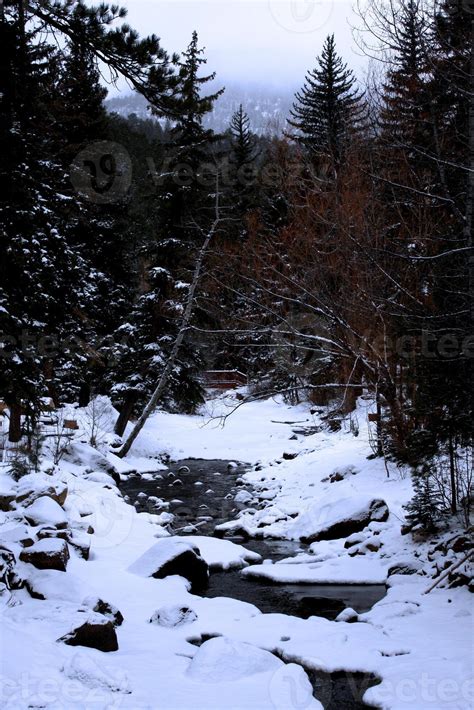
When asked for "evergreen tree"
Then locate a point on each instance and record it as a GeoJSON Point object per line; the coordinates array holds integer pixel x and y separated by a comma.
{"type": "Point", "coordinates": [406, 120]}
{"type": "Point", "coordinates": [329, 108]}
{"type": "Point", "coordinates": [188, 181]}
{"type": "Point", "coordinates": [243, 192]}
{"type": "Point", "coordinates": [99, 230]}
{"type": "Point", "coordinates": [181, 199]}
{"type": "Point", "coordinates": [140, 350]}
{"type": "Point", "coordinates": [243, 144]}
{"type": "Point", "coordinates": [424, 508]}
{"type": "Point", "coordinates": [39, 269]}
{"type": "Point", "coordinates": [82, 115]}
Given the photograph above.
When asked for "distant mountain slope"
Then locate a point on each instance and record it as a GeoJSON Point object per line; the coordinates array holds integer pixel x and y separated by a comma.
{"type": "Point", "coordinates": [266, 108]}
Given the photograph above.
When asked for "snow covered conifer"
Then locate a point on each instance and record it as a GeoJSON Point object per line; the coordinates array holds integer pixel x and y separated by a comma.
{"type": "Point", "coordinates": [424, 508]}
{"type": "Point", "coordinates": [329, 108]}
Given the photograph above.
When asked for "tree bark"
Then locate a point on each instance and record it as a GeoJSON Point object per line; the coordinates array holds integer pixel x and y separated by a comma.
{"type": "Point", "coordinates": [452, 473]}
{"type": "Point", "coordinates": [14, 430]}
{"type": "Point", "coordinates": [125, 412]}
{"type": "Point", "coordinates": [84, 394]}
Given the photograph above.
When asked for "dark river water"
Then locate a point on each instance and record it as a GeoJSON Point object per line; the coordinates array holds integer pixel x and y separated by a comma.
{"type": "Point", "coordinates": [200, 496]}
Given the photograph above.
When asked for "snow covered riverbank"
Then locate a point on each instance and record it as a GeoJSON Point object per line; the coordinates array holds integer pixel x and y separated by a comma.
{"type": "Point", "coordinates": [419, 645]}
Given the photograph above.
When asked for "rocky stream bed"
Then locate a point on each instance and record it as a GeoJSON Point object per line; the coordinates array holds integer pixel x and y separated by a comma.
{"type": "Point", "coordinates": [200, 494]}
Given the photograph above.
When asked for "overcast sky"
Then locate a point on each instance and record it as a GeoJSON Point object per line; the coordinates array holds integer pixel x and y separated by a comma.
{"type": "Point", "coordinates": [260, 41]}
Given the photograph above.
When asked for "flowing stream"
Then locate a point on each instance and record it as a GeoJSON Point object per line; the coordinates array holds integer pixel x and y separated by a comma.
{"type": "Point", "coordinates": [200, 494]}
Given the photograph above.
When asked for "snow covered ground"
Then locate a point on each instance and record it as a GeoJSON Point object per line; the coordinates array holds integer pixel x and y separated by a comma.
{"type": "Point", "coordinates": [302, 486]}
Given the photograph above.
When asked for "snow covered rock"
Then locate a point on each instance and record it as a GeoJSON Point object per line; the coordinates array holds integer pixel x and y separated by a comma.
{"type": "Point", "coordinates": [47, 532]}
{"type": "Point", "coordinates": [243, 497]}
{"type": "Point", "coordinates": [7, 496]}
{"type": "Point", "coordinates": [339, 474]}
{"type": "Point", "coordinates": [36, 485]}
{"type": "Point", "coordinates": [101, 607]}
{"type": "Point", "coordinates": [232, 527]}
{"type": "Point", "coordinates": [348, 615]}
{"type": "Point", "coordinates": [222, 659]}
{"type": "Point", "coordinates": [355, 539]}
{"type": "Point", "coordinates": [95, 632]}
{"type": "Point", "coordinates": [406, 566]}
{"type": "Point", "coordinates": [173, 556]}
{"type": "Point", "coordinates": [17, 533]}
{"type": "Point", "coordinates": [46, 511]}
{"type": "Point", "coordinates": [81, 542]}
{"type": "Point", "coordinates": [54, 585]}
{"type": "Point", "coordinates": [334, 570]}
{"type": "Point", "coordinates": [83, 669]}
{"type": "Point", "coordinates": [171, 616]}
{"type": "Point", "coordinates": [83, 454]}
{"type": "Point", "coordinates": [49, 553]}
{"type": "Point", "coordinates": [340, 518]}
{"type": "Point", "coordinates": [222, 554]}
{"type": "Point", "coordinates": [372, 544]}
{"type": "Point", "coordinates": [7, 566]}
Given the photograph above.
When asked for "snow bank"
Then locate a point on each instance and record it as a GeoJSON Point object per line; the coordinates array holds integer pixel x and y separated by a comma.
{"type": "Point", "coordinates": [419, 645]}
{"type": "Point", "coordinates": [340, 570]}
{"type": "Point", "coordinates": [221, 659]}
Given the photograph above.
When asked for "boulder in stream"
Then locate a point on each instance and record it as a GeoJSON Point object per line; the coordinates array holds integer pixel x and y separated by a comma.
{"type": "Point", "coordinates": [340, 518]}
{"type": "Point", "coordinates": [167, 557]}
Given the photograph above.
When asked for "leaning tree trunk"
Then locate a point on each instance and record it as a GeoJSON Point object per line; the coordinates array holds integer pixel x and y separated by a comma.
{"type": "Point", "coordinates": [126, 412]}
{"type": "Point", "coordinates": [170, 363]}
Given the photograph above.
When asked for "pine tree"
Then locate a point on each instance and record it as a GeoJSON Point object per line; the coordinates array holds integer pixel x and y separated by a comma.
{"type": "Point", "coordinates": [405, 116]}
{"type": "Point", "coordinates": [96, 230]}
{"type": "Point", "coordinates": [243, 144]}
{"type": "Point", "coordinates": [181, 200]}
{"type": "Point", "coordinates": [39, 269]}
{"type": "Point", "coordinates": [424, 508]}
{"type": "Point", "coordinates": [81, 111]}
{"type": "Point", "coordinates": [140, 350]}
{"type": "Point", "coordinates": [189, 149]}
{"type": "Point", "coordinates": [329, 108]}
{"type": "Point", "coordinates": [243, 194]}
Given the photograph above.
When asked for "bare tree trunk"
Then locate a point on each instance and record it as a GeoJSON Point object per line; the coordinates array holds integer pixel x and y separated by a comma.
{"type": "Point", "coordinates": [188, 312]}
{"type": "Point", "coordinates": [125, 412]}
{"type": "Point", "coordinates": [470, 195]}
{"type": "Point", "coordinates": [14, 430]}
{"type": "Point", "coordinates": [452, 473]}
{"type": "Point", "coordinates": [84, 394]}
{"type": "Point", "coordinates": [379, 422]}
